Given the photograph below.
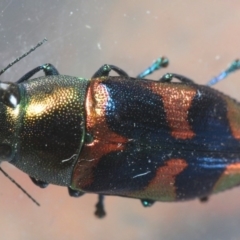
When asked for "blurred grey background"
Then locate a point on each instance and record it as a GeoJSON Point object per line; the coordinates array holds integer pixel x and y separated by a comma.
{"type": "Point", "coordinates": [200, 38]}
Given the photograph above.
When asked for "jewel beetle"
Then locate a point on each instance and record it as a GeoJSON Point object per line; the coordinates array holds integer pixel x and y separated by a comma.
{"type": "Point", "coordinates": [117, 135]}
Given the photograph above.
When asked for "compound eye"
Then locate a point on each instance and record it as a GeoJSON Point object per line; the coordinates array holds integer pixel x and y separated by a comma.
{"type": "Point", "coordinates": [9, 94]}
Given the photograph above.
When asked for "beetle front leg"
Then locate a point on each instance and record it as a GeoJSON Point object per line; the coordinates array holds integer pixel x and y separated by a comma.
{"type": "Point", "coordinates": [47, 68]}
{"type": "Point", "coordinates": [168, 77]}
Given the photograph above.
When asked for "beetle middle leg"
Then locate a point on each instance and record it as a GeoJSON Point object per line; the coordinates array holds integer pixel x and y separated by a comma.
{"type": "Point", "coordinates": [106, 69]}
{"type": "Point", "coordinates": [168, 77]}
{"type": "Point", "coordinates": [160, 63]}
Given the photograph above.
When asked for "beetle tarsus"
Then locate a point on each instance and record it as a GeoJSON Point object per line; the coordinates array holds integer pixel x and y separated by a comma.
{"type": "Point", "coordinates": [74, 193]}
{"type": "Point", "coordinates": [106, 69]}
{"type": "Point", "coordinates": [168, 77]}
{"type": "Point", "coordinates": [158, 64]}
{"type": "Point", "coordinates": [49, 69]}
{"type": "Point", "coordinates": [147, 202]}
{"type": "Point", "coordinates": [204, 199]}
{"type": "Point", "coordinates": [39, 183]}
{"type": "Point", "coordinates": [100, 212]}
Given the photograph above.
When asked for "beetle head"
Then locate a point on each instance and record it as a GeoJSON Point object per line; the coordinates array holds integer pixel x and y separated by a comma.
{"type": "Point", "coordinates": [9, 111]}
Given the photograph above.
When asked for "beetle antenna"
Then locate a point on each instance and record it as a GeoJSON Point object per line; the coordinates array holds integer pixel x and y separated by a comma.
{"type": "Point", "coordinates": [24, 55]}
{"type": "Point", "coordinates": [23, 190]}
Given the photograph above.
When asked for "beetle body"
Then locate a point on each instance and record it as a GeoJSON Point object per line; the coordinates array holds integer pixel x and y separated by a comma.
{"type": "Point", "coordinates": [158, 141]}
{"type": "Point", "coordinates": [131, 137]}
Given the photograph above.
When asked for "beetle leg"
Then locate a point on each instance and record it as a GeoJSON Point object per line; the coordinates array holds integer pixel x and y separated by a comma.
{"type": "Point", "coordinates": [147, 202]}
{"type": "Point", "coordinates": [204, 199]}
{"type": "Point", "coordinates": [39, 183]}
{"type": "Point", "coordinates": [9, 92]}
{"type": "Point", "coordinates": [106, 69]}
{"type": "Point", "coordinates": [168, 77]}
{"type": "Point", "coordinates": [235, 65]}
{"type": "Point", "coordinates": [100, 212]}
{"type": "Point", "coordinates": [158, 64]}
{"type": "Point", "coordinates": [74, 193]}
{"type": "Point", "coordinates": [48, 69]}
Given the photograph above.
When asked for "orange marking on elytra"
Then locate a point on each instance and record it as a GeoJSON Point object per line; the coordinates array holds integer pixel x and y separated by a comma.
{"type": "Point", "coordinates": [233, 114]}
{"type": "Point", "coordinates": [177, 100]}
{"type": "Point", "coordinates": [105, 140]}
{"type": "Point", "coordinates": [230, 178]}
{"type": "Point", "coordinates": [162, 186]}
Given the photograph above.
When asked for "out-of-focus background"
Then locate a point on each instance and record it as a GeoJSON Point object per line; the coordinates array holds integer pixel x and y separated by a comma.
{"type": "Point", "coordinates": [200, 38]}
